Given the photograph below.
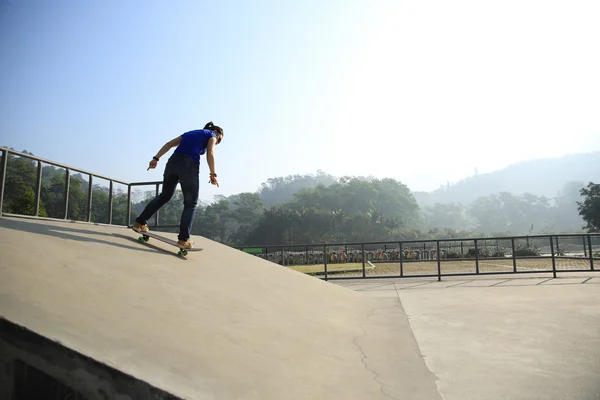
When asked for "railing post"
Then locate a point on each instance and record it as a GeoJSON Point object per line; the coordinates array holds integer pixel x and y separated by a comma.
{"type": "Point", "coordinates": [306, 255]}
{"type": "Point", "coordinates": [585, 254]}
{"type": "Point", "coordinates": [514, 257]}
{"type": "Point", "coordinates": [3, 177]}
{"type": "Point", "coordinates": [325, 260]}
{"type": "Point", "coordinates": [67, 184]}
{"type": "Point", "coordinates": [128, 220]}
{"type": "Point", "coordinates": [439, 260]}
{"type": "Point", "coordinates": [590, 252]}
{"type": "Point", "coordinates": [156, 215]}
{"type": "Point", "coordinates": [362, 247]}
{"type": "Point", "coordinates": [38, 189]}
{"type": "Point", "coordinates": [476, 257]}
{"type": "Point", "coordinates": [110, 201]}
{"type": "Point", "coordinates": [401, 258]}
{"type": "Point", "coordinates": [553, 260]}
{"type": "Point", "coordinates": [89, 205]}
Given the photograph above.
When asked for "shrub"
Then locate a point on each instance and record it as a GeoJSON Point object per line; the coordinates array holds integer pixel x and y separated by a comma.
{"type": "Point", "coordinates": [452, 254]}
{"type": "Point", "coordinates": [499, 253]}
{"type": "Point", "coordinates": [527, 251]}
{"type": "Point", "coordinates": [481, 253]}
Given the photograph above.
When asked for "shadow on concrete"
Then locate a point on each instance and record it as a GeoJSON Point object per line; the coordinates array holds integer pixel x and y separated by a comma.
{"type": "Point", "coordinates": [67, 232]}
{"type": "Point", "coordinates": [125, 237]}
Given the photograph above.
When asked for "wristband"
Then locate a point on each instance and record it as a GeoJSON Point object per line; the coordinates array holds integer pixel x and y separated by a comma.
{"type": "Point", "coordinates": [155, 158]}
{"type": "Point", "coordinates": [215, 175]}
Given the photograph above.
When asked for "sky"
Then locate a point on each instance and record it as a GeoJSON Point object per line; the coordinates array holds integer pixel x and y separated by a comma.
{"type": "Point", "coordinates": [420, 91]}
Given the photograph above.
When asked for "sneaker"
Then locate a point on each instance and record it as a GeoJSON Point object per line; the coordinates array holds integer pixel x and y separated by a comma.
{"type": "Point", "coordinates": [140, 227]}
{"type": "Point", "coordinates": [185, 244]}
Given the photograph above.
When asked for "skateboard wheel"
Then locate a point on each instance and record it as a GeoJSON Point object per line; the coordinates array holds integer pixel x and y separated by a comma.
{"type": "Point", "coordinates": [185, 252]}
{"type": "Point", "coordinates": [140, 239]}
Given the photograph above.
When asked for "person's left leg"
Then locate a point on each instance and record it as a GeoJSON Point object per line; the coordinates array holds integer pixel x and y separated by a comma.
{"type": "Point", "coordinates": [170, 181]}
{"type": "Point", "coordinates": [190, 186]}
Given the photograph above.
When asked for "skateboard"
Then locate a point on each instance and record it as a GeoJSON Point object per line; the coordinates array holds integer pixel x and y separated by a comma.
{"type": "Point", "coordinates": [147, 235]}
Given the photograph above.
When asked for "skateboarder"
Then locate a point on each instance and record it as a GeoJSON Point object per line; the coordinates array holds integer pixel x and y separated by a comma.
{"type": "Point", "coordinates": [183, 167]}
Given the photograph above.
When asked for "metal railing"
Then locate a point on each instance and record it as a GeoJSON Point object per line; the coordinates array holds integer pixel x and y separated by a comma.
{"type": "Point", "coordinates": [68, 170]}
{"type": "Point", "coordinates": [525, 254]}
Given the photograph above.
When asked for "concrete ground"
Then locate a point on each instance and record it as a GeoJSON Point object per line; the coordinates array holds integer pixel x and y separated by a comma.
{"type": "Point", "coordinates": [503, 337]}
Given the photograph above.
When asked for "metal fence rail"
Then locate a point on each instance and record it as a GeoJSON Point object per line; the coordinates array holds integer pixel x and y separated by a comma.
{"type": "Point", "coordinates": [408, 258]}
{"type": "Point", "coordinates": [68, 170]}
{"type": "Point", "coordinates": [439, 257]}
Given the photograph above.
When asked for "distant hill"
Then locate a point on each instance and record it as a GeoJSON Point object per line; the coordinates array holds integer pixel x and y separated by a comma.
{"type": "Point", "coordinates": [543, 177]}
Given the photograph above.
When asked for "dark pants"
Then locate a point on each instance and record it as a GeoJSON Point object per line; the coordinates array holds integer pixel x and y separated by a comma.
{"type": "Point", "coordinates": [184, 170]}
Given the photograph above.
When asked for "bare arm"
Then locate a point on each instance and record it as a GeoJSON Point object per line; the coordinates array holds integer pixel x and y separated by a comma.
{"type": "Point", "coordinates": [210, 154]}
{"type": "Point", "coordinates": [168, 146]}
{"type": "Point", "coordinates": [163, 150]}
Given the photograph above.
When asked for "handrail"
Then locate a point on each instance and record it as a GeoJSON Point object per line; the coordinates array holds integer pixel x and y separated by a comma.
{"type": "Point", "coordinates": [319, 256]}
{"type": "Point", "coordinates": [146, 183]}
{"type": "Point", "coordinates": [68, 170]}
{"type": "Point", "coordinates": [395, 242]}
{"type": "Point", "coordinates": [45, 161]}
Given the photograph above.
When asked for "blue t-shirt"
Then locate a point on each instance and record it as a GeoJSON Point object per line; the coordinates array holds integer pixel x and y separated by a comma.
{"type": "Point", "coordinates": [193, 143]}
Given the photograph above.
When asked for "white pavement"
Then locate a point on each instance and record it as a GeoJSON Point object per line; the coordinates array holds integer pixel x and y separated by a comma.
{"type": "Point", "coordinates": [504, 337]}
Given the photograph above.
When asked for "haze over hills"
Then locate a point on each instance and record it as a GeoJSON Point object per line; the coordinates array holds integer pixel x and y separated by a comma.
{"type": "Point", "coordinates": [533, 196]}
{"type": "Point", "coordinates": [543, 177]}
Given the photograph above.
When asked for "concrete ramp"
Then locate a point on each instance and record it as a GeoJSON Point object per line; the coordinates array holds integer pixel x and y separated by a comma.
{"type": "Point", "coordinates": [220, 324]}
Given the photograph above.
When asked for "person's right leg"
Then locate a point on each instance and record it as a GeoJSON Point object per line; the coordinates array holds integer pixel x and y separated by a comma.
{"type": "Point", "coordinates": [189, 186]}
{"type": "Point", "coordinates": [170, 181]}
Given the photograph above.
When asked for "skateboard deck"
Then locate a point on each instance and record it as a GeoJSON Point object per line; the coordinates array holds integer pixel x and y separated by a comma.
{"type": "Point", "coordinates": [147, 235]}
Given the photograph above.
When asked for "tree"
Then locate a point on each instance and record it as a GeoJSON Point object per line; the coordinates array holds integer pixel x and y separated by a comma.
{"type": "Point", "coordinates": [589, 209]}
{"type": "Point", "coordinates": [279, 190]}
{"type": "Point", "coordinates": [489, 214]}
{"type": "Point", "coordinates": [245, 210]}
{"type": "Point", "coordinates": [20, 175]}
{"type": "Point", "coordinates": [216, 223]}
{"type": "Point", "coordinates": [564, 211]}
{"type": "Point", "coordinates": [450, 215]}
{"type": "Point", "coordinates": [272, 227]}
{"type": "Point", "coordinates": [352, 209]}
{"type": "Point", "coordinates": [25, 205]}
{"type": "Point", "coordinates": [507, 213]}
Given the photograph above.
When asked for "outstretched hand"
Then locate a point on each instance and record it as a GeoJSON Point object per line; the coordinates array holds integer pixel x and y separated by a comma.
{"type": "Point", "coordinates": [152, 164]}
{"type": "Point", "coordinates": [213, 180]}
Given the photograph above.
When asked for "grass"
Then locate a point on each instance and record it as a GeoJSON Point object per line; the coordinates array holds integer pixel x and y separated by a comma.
{"type": "Point", "coordinates": [320, 268]}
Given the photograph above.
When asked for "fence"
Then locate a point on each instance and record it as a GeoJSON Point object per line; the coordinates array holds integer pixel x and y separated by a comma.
{"type": "Point", "coordinates": [439, 257]}
{"type": "Point", "coordinates": [66, 191]}
{"type": "Point", "coordinates": [415, 258]}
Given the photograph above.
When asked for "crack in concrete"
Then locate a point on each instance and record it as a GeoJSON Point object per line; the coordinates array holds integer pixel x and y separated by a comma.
{"type": "Point", "coordinates": [364, 362]}
{"type": "Point", "coordinates": [423, 356]}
